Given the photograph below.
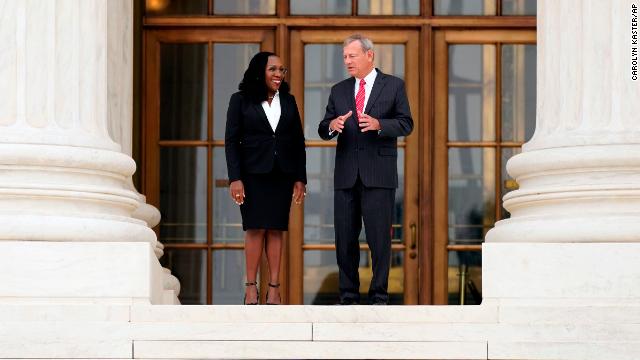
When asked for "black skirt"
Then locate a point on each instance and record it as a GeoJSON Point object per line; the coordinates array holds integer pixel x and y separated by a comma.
{"type": "Point", "coordinates": [267, 200]}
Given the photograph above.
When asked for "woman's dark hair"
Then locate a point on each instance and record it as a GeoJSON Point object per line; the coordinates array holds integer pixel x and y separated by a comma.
{"type": "Point", "coordinates": [253, 83]}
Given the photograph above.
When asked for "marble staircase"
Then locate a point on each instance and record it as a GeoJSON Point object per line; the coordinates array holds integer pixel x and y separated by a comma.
{"type": "Point", "coordinates": [489, 331]}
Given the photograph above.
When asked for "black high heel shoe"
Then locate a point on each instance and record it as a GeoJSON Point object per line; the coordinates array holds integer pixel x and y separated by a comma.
{"type": "Point", "coordinates": [244, 300]}
{"type": "Point", "coordinates": [273, 286]}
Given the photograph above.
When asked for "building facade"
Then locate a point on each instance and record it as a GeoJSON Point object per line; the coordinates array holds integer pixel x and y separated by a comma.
{"type": "Point", "coordinates": [80, 275]}
{"type": "Point", "coordinates": [469, 68]}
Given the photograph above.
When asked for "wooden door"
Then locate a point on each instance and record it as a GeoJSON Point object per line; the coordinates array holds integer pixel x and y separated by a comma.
{"type": "Point", "coordinates": [316, 64]}
{"type": "Point", "coordinates": [189, 76]}
{"type": "Point", "coordinates": [484, 87]}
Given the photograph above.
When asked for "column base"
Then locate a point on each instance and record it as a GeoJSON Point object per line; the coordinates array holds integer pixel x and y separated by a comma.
{"type": "Point", "coordinates": [561, 273]}
{"type": "Point", "coordinates": [80, 272]}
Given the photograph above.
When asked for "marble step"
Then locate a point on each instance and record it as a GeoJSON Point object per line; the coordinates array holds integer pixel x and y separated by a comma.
{"type": "Point", "coordinates": [386, 350]}
{"type": "Point", "coordinates": [68, 331]}
{"type": "Point", "coordinates": [414, 332]}
{"type": "Point", "coordinates": [409, 332]}
{"type": "Point", "coordinates": [575, 314]}
{"type": "Point", "coordinates": [602, 350]}
{"type": "Point", "coordinates": [64, 312]}
{"type": "Point", "coordinates": [72, 349]}
{"type": "Point", "coordinates": [315, 314]}
{"type": "Point", "coordinates": [505, 314]}
{"type": "Point", "coordinates": [308, 350]}
{"type": "Point", "coordinates": [222, 331]}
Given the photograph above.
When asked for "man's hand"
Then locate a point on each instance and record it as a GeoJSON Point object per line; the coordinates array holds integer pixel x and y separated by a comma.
{"type": "Point", "coordinates": [337, 124]}
{"type": "Point", "coordinates": [367, 123]}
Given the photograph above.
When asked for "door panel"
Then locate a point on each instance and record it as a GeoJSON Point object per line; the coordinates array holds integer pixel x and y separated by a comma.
{"type": "Point", "coordinates": [189, 78]}
{"type": "Point", "coordinates": [484, 112]}
{"type": "Point", "coordinates": [183, 79]}
{"type": "Point", "coordinates": [313, 270]}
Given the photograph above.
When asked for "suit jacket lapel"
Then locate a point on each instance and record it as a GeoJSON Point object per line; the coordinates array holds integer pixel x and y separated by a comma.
{"type": "Point", "coordinates": [262, 115]}
{"type": "Point", "coordinates": [378, 84]}
{"type": "Point", "coordinates": [352, 97]}
{"type": "Point", "coordinates": [283, 111]}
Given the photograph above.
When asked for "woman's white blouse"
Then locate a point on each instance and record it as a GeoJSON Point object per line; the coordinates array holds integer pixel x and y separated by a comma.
{"type": "Point", "coordinates": [273, 112]}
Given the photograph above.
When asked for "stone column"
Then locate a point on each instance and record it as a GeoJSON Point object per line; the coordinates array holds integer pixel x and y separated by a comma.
{"type": "Point", "coordinates": [67, 230]}
{"type": "Point", "coordinates": [574, 231]}
{"type": "Point", "coordinates": [120, 114]}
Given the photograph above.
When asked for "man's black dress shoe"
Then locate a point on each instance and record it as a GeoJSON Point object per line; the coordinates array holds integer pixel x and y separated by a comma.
{"type": "Point", "coordinates": [376, 301]}
{"type": "Point", "coordinates": [348, 301]}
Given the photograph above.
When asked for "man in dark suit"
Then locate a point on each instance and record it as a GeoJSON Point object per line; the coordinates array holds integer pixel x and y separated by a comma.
{"type": "Point", "coordinates": [367, 112]}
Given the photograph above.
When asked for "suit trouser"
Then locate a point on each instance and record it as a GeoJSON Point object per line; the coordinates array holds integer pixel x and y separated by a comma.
{"type": "Point", "coordinates": [375, 207]}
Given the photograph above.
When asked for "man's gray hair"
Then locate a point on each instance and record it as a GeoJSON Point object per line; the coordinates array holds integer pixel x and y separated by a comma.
{"type": "Point", "coordinates": [365, 42]}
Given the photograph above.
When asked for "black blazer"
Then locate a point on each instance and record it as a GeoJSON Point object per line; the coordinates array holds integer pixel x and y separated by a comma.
{"type": "Point", "coordinates": [252, 147]}
{"type": "Point", "coordinates": [372, 155]}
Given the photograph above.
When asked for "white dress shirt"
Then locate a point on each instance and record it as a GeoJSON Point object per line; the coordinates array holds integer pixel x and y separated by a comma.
{"type": "Point", "coordinates": [273, 111]}
{"type": "Point", "coordinates": [369, 79]}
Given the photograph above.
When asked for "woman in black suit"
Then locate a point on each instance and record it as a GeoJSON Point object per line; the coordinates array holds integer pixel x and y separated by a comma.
{"type": "Point", "coordinates": [264, 145]}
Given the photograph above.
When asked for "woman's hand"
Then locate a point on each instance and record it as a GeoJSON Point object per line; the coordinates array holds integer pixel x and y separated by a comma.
{"type": "Point", "coordinates": [236, 189]}
{"type": "Point", "coordinates": [299, 192]}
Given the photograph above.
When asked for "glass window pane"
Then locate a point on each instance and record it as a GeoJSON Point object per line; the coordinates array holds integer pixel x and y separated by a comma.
{"type": "Point", "coordinates": [464, 7]}
{"type": "Point", "coordinates": [176, 7]}
{"type": "Point", "coordinates": [320, 7]}
{"type": "Point", "coordinates": [183, 195]}
{"type": "Point", "coordinates": [465, 267]}
{"type": "Point", "coordinates": [318, 205]}
{"type": "Point", "coordinates": [228, 277]}
{"type": "Point", "coordinates": [321, 277]}
{"type": "Point", "coordinates": [323, 68]}
{"type": "Point", "coordinates": [518, 92]}
{"type": "Point", "coordinates": [398, 209]}
{"type": "Point", "coordinates": [472, 91]}
{"type": "Point", "coordinates": [508, 183]}
{"type": "Point", "coordinates": [183, 92]}
{"type": "Point", "coordinates": [227, 222]}
{"type": "Point", "coordinates": [519, 7]}
{"type": "Point", "coordinates": [396, 279]}
{"type": "Point", "coordinates": [190, 267]}
{"type": "Point", "coordinates": [244, 7]}
{"type": "Point", "coordinates": [471, 194]}
{"type": "Point", "coordinates": [388, 7]}
{"type": "Point", "coordinates": [229, 63]}
{"type": "Point", "coordinates": [390, 58]}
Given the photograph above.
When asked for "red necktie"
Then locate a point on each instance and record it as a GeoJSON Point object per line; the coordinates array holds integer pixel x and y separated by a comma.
{"type": "Point", "coordinates": [360, 97]}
